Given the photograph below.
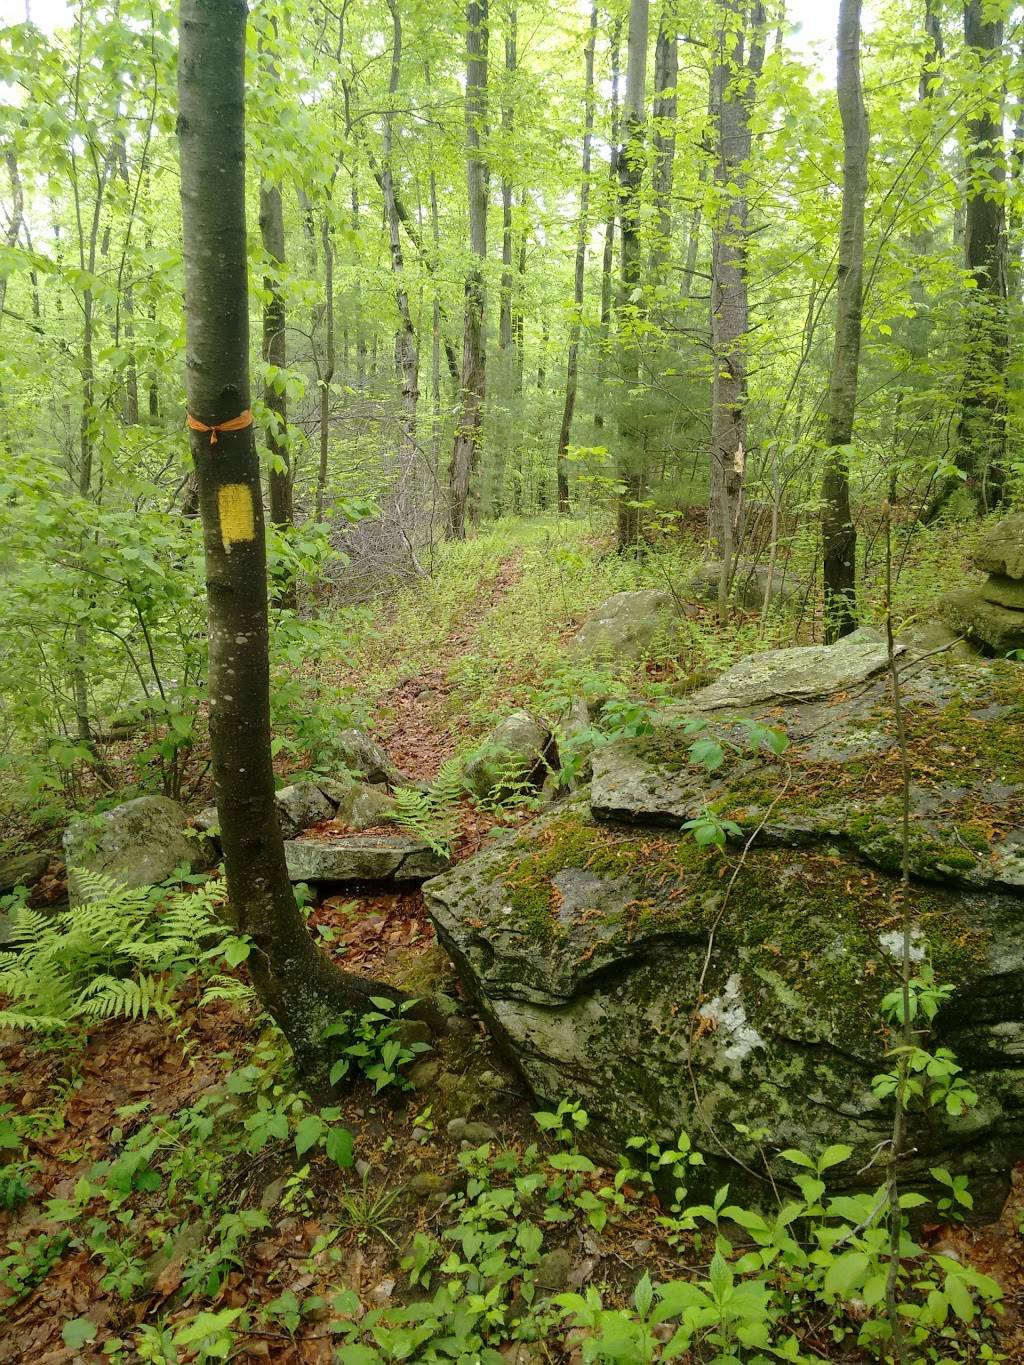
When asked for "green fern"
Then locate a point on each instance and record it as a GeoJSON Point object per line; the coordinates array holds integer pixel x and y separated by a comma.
{"type": "Point", "coordinates": [120, 954]}
{"type": "Point", "coordinates": [433, 815]}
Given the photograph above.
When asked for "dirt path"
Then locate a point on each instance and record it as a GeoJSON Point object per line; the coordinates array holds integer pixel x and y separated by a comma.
{"type": "Point", "coordinates": [418, 739]}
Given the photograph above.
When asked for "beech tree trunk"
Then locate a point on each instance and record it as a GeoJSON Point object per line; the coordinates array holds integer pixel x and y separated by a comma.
{"type": "Point", "coordinates": [582, 229]}
{"type": "Point", "coordinates": [732, 80]}
{"type": "Point", "coordinates": [465, 454]}
{"type": "Point", "coordinates": [982, 444]}
{"type": "Point", "coordinates": [300, 988]}
{"type": "Point", "coordinates": [838, 534]}
{"type": "Point", "coordinates": [632, 308]}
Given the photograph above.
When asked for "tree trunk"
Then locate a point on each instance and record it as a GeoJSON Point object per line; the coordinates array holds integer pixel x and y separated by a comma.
{"type": "Point", "coordinates": [582, 229]}
{"type": "Point", "coordinates": [406, 353]}
{"type": "Point", "coordinates": [632, 308]}
{"type": "Point", "coordinates": [16, 219]}
{"type": "Point", "coordinates": [732, 81]}
{"type": "Point", "coordinates": [465, 454]}
{"type": "Point", "coordinates": [298, 986]}
{"type": "Point", "coordinates": [275, 353]}
{"type": "Point", "coordinates": [666, 77]}
{"type": "Point", "coordinates": [982, 445]}
{"type": "Point", "coordinates": [326, 374]}
{"type": "Point", "coordinates": [506, 340]}
{"type": "Point", "coordinates": [838, 534]}
{"type": "Point", "coordinates": [608, 256]}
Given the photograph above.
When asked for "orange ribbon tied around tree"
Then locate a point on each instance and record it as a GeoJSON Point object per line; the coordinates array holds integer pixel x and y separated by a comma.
{"type": "Point", "coordinates": [238, 423]}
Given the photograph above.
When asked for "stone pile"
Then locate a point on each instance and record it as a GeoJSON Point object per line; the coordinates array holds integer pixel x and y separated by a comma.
{"type": "Point", "coordinates": [992, 612]}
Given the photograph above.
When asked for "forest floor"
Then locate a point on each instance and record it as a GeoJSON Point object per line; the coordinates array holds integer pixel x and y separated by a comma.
{"type": "Point", "coordinates": [116, 1257]}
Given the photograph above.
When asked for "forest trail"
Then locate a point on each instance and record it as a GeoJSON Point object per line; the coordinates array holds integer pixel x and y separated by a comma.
{"type": "Point", "coordinates": [416, 737]}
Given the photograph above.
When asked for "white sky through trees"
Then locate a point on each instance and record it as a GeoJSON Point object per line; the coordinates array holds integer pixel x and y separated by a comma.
{"type": "Point", "coordinates": [817, 18]}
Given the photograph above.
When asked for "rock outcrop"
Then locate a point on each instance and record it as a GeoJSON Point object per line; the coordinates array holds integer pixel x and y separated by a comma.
{"type": "Point", "coordinates": [672, 986]}
{"type": "Point", "coordinates": [139, 843]}
{"type": "Point", "coordinates": [992, 612]}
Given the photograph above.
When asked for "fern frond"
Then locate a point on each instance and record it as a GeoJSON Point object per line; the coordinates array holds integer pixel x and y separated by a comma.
{"type": "Point", "coordinates": [228, 988]}
{"type": "Point", "coordinates": [109, 997]}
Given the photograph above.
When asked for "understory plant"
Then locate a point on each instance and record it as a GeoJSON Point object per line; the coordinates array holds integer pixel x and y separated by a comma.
{"type": "Point", "coordinates": [120, 953]}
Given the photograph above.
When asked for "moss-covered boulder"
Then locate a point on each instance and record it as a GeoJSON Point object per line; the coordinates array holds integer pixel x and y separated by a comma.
{"type": "Point", "coordinates": [670, 986]}
{"type": "Point", "coordinates": [625, 625]}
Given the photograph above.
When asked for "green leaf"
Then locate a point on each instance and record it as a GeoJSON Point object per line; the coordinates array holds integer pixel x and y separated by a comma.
{"type": "Point", "coordinates": [846, 1274]}
{"type": "Point", "coordinates": [78, 1332]}
{"type": "Point", "coordinates": [340, 1146]}
{"type": "Point", "coordinates": [308, 1133]}
{"type": "Point", "coordinates": [643, 1295]}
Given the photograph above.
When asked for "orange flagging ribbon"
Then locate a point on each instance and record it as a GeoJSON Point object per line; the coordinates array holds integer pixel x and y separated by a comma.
{"type": "Point", "coordinates": [238, 423]}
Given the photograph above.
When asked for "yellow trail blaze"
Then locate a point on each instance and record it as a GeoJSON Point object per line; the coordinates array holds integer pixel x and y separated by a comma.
{"type": "Point", "coordinates": [234, 508]}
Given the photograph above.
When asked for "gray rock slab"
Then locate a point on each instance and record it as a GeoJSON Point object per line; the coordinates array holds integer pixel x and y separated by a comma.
{"type": "Point", "coordinates": [362, 858]}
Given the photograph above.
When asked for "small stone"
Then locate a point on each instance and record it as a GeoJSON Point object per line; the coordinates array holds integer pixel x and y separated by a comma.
{"type": "Point", "coordinates": [428, 1185]}
{"type": "Point", "coordinates": [381, 1293]}
{"type": "Point", "coordinates": [1001, 548]}
{"type": "Point", "coordinates": [553, 1270]}
{"type": "Point", "coordinates": [365, 806]}
{"type": "Point", "coordinates": [365, 759]}
{"type": "Point", "coordinates": [300, 806]}
{"type": "Point", "coordinates": [25, 869]}
{"type": "Point", "coordinates": [207, 820]}
{"type": "Point", "coordinates": [970, 612]}
{"type": "Point", "coordinates": [1005, 592]}
{"type": "Point", "coordinates": [423, 1074]}
{"type": "Point", "coordinates": [460, 1027]}
{"type": "Point", "coordinates": [624, 626]}
{"type": "Point", "coordinates": [514, 752]}
{"type": "Point", "coordinates": [478, 1133]}
{"type": "Point", "coordinates": [362, 858]}
{"type": "Point", "coordinates": [411, 1031]}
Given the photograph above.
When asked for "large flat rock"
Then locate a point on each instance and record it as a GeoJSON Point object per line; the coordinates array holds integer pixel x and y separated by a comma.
{"type": "Point", "coordinates": [362, 858]}
{"type": "Point", "coordinates": [670, 986]}
{"type": "Point", "coordinates": [841, 778]}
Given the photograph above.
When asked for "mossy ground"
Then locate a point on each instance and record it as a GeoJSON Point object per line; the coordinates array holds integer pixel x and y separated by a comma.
{"type": "Point", "coordinates": [668, 874]}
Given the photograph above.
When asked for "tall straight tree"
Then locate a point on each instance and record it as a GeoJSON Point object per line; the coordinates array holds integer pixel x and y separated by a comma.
{"type": "Point", "coordinates": [508, 365]}
{"type": "Point", "coordinates": [631, 454]}
{"type": "Point", "coordinates": [737, 65]}
{"type": "Point", "coordinates": [275, 346]}
{"type": "Point", "coordinates": [572, 363]}
{"type": "Point", "coordinates": [406, 350]}
{"type": "Point", "coordinates": [608, 254]}
{"type": "Point", "coordinates": [299, 987]}
{"type": "Point", "coordinates": [838, 533]}
{"type": "Point", "coordinates": [465, 454]}
{"type": "Point", "coordinates": [664, 108]}
{"type": "Point", "coordinates": [275, 354]}
{"type": "Point", "coordinates": [982, 444]}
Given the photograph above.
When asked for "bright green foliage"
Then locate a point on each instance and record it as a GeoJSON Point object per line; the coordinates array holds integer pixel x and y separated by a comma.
{"type": "Point", "coordinates": [122, 953]}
